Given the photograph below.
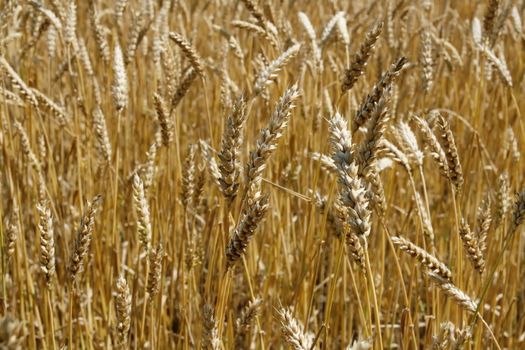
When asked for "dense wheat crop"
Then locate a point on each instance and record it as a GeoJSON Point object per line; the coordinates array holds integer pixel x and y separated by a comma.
{"type": "Point", "coordinates": [262, 174]}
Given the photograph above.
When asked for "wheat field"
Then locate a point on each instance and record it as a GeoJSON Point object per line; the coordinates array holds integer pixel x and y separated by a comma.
{"type": "Point", "coordinates": [262, 174]}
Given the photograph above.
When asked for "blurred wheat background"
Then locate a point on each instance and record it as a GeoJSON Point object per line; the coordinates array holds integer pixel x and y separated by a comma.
{"type": "Point", "coordinates": [262, 174]}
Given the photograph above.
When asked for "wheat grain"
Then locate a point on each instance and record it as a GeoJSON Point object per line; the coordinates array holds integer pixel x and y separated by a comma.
{"type": "Point", "coordinates": [327, 163]}
{"type": "Point", "coordinates": [477, 35]}
{"type": "Point", "coordinates": [312, 36]}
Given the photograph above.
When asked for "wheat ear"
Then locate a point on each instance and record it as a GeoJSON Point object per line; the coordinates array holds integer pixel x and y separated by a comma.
{"type": "Point", "coordinates": [123, 312]}
{"type": "Point", "coordinates": [210, 336]}
{"type": "Point", "coordinates": [47, 242]}
{"type": "Point", "coordinates": [357, 67]}
{"type": "Point", "coordinates": [229, 156]}
{"type": "Point", "coordinates": [83, 239]}
{"type": "Point", "coordinates": [143, 213]}
{"type": "Point", "coordinates": [364, 113]}
{"type": "Point", "coordinates": [189, 51]}
{"type": "Point", "coordinates": [293, 331]}
{"type": "Point", "coordinates": [425, 258]}
{"type": "Point", "coordinates": [248, 223]}
{"type": "Point", "coordinates": [455, 172]}
{"type": "Point", "coordinates": [453, 292]}
{"type": "Point", "coordinates": [268, 137]}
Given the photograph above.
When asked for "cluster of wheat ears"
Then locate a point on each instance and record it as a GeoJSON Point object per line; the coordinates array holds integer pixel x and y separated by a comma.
{"type": "Point", "coordinates": [262, 174]}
